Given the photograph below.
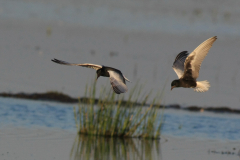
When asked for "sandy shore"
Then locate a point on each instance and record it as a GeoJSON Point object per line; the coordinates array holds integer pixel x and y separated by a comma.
{"type": "Point", "coordinates": [57, 144]}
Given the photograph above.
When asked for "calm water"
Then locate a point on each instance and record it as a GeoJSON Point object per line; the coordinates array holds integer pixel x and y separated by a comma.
{"type": "Point", "coordinates": [146, 36]}
{"type": "Point", "coordinates": [34, 114]}
{"type": "Point", "coordinates": [139, 37]}
{"type": "Point", "coordinates": [170, 16]}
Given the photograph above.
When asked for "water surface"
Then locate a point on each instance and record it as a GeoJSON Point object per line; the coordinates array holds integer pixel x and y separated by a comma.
{"type": "Point", "coordinates": [141, 38]}
{"type": "Point", "coordinates": [26, 113]}
{"type": "Point", "coordinates": [50, 128]}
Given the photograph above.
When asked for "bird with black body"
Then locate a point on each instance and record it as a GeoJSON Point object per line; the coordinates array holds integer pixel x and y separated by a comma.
{"type": "Point", "coordinates": [117, 79]}
{"type": "Point", "coordinates": [187, 67]}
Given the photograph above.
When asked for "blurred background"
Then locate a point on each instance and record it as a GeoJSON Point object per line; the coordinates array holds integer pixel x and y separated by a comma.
{"type": "Point", "coordinates": [139, 37]}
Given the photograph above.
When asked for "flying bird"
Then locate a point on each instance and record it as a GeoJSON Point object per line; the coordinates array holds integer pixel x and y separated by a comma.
{"type": "Point", "coordinates": [117, 79]}
{"type": "Point", "coordinates": [187, 67]}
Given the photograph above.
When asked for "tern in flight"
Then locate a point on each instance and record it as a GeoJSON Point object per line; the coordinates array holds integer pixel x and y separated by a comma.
{"type": "Point", "coordinates": [187, 67]}
{"type": "Point", "coordinates": [117, 79]}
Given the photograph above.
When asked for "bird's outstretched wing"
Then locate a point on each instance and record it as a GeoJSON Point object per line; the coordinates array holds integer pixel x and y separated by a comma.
{"type": "Point", "coordinates": [178, 64]}
{"type": "Point", "coordinates": [194, 60]}
{"type": "Point", "coordinates": [117, 81]}
{"type": "Point", "coordinates": [88, 65]}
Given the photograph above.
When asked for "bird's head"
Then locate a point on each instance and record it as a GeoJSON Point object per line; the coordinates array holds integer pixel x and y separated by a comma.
{"type": "Point", "coordinates": [98, 73]}
{"type": "Point", "coordinates": [175, 83]}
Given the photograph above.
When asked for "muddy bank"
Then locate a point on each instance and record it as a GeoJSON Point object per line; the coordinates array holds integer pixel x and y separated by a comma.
{"type": "Point", "coordinates": [64, 98]}
{"type": "Point", "coordinates": [48, 96]}
{"type": "Point", "coordinates": [61, 97]}
{"type": "Point", "coordinates": [222, 109]}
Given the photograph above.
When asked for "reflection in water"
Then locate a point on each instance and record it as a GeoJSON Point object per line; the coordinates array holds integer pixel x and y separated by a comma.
{"type": "Point", "coordinates": [101, 148]}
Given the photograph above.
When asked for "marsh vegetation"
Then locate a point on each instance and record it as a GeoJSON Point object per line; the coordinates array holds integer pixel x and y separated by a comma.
{"type": "Point", "coordinates": [109, 118]}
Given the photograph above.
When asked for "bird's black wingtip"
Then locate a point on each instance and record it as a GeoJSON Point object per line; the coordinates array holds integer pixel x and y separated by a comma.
{"type": "Point", "coordinates": [56, 60]}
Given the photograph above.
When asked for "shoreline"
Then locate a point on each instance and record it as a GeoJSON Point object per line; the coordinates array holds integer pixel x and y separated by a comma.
{"type": "Point", "coordinates": [55, 96]}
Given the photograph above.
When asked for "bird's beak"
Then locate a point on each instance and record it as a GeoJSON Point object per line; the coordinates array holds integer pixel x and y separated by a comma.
{"type": "Point", "coordinates": [172, 87]}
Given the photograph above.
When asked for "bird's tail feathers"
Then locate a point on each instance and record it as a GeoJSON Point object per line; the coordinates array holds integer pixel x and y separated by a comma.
{"type": "Point", "coordinates": [202, 86]}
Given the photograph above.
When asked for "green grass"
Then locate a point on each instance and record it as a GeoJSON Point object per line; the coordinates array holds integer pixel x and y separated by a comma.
{"type": "Point", "coordinates": [110, 118]}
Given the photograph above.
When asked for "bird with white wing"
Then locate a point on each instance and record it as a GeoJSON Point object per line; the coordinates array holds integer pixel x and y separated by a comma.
{"type": "Point", "coordinates": [117, 79]}
{"type": "Point", "coordinates": [187, 67]}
